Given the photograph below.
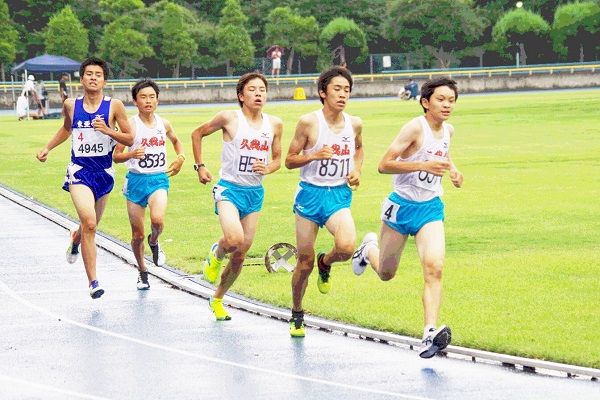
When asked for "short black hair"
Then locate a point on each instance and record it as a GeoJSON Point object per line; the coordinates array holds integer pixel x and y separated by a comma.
{"type": "Point", "coordinates": [429, 87]}
{"type": "Point", "coordinates": [142, 84]}
{"type": "Point", "coordinates": [94, 61]}
{"type": "Point", "coordinates": [243, 81]}
{"type": "Point", "coordinates": [330, 73]}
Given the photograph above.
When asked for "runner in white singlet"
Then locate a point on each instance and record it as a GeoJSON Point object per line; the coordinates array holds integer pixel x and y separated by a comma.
{"type": "Point", "coordinates": [418, 159]}
{"type": "Point", "coordinates": [327, 148]}
{"type": "Point", "coordinates": [147, 182]}
{"type": "Point", "coordinates": [250, 137]}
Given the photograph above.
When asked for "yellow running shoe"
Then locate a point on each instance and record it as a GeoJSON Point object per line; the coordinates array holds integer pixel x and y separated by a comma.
{"type": "Point", "coordinates": [297, 324]}
{"type": "Point", "coordinates": [212, 266]}
{"type": "Point", "coordinates": [323, 282]}
{"type": "Point", "coordinates": [216, 306]}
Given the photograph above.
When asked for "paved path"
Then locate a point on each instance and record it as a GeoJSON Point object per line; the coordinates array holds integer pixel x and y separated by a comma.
{"type": "Point", "coordinates": [58, 343]}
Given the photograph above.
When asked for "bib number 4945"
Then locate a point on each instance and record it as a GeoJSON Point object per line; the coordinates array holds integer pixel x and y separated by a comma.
{"type": "Point", "coordinates": [87, 148]}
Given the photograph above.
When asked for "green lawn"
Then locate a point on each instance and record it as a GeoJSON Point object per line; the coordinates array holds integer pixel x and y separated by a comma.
{"type": "Point", "coordinates": [523, 255]}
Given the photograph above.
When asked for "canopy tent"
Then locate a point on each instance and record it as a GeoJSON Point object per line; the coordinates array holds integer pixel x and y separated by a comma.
{"type": "Point", "coordinates": [46, 63]}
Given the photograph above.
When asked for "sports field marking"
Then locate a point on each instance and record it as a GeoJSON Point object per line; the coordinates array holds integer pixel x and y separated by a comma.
{"type": "Point", "coordinates": [47, 388]}
{"type": "Point", "coordinates": [55, 316]}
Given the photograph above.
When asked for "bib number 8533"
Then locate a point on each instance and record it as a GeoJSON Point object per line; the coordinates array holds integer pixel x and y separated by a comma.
{"type": "Point", "coordinates": [153, 160]}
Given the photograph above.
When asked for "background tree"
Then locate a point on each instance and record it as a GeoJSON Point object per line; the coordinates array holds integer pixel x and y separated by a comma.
{"type": "Point", "coordinates": [124, 47]}
{"type": "Point", "coordinates": [524, 32]}
{"type": "Point", "coordinates": [66, 36]}
{"type": "Point", "coordinates": [291, 31]}
{"type": "Point", "coordinates": [576, 31]}
{"type": "Point", "coordinates": [367, 14]}
{"type": "Point", "coordinates": [445, 28]}
{"type": "Point", "coordinates": [342, 39]}
{"type": "Point", "coordinates": [114, 9]}
{"type": "Point", "coordinates": [170, 29]}
{"type": "Point", "coordinates": [204, 35]}
{"type": "Point", "coordinates": [210, 10]}
{"type": "Point", "coordinates": [178, 46]}
{"type": "Point", "coordinates": [8, 40]}
{"type": "Point", "coordinates": [234, 41]}
{"type": "Point", "coordinates": [30, 17]}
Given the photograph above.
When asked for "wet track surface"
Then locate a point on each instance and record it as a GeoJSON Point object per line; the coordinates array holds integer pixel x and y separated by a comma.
{"type": "Point", "coordinates": [58, 343]}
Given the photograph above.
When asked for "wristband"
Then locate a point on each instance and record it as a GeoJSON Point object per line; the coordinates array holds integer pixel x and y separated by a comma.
{"type": "Point", "coordinates": [182, 156]}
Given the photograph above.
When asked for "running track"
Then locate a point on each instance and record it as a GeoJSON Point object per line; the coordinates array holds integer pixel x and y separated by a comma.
{"type": "Point", "coordinates": [58, 343]}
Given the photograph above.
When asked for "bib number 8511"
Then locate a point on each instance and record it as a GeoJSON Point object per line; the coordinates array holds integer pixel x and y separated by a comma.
{"type": "Point", "coordinates": [334, 168]}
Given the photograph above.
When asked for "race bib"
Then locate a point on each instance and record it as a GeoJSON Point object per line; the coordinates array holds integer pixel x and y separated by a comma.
{"type": "Point", "coordinates": [153, 160]}
{"type": "Point", "coordinates": [334, 168]}
{"type": "Point", "coordinates": [426, 180]}
{"type": "Point", "coordinates": [245, 164]}
{"type": "Point", "coordinates": [389, 210]}
{"type": "Point", "coordinates": [91, 143]}
{"type": "Point", "coordinates": [218, 193]}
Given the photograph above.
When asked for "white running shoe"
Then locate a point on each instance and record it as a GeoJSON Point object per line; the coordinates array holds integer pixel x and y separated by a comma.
{"type": "Point", "coordinates": [73, 250]}
{"type": "Point", "coordinates": [435, 341]}
{"type": "Point", "coordinates": [95, 290]}
{"type": "Point", "coordinates": [142, 282]}
{"type": "Point", "coordinates": [359, 258]}
{"type": "Point", "coordinates": [158, 255]}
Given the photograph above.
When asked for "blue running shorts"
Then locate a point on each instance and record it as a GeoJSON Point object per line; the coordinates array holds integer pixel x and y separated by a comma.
{"type": "Point", "coordinates": [139, 187]}
{"type": "Point", "coordinates": [247, 199]}
{"type": "Point", "coordinates": [319, 203]}
{"type": "Point", "coordinates": [100, 182]}
{"type": "Point", "coordinates": [408, 217]}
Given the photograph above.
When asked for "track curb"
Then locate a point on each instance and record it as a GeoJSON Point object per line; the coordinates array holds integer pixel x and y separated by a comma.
{"type": "Point", "coordinates": [194, 285]}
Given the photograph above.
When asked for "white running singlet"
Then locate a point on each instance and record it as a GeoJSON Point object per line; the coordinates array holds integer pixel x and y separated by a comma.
{"type": "Point", "coordinates": [153, 140]}
{"type": "Point", "coordinates": [421, 185]}
{"type": "Point", "coordinates": [248, 146]}
{"type": "Point", "coordinates": [331, 172]}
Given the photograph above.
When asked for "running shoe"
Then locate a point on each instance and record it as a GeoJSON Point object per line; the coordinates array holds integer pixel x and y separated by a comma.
{"type": "Point", "coordinates": [142, 282]}
{"type": "Point", "coordinates": [216, 306]}
{"type": "Point", "coordinates": [95, 290]}
{"type": "Point", "coordinates": [158, 255]}
{"type": "Point", "coordinates": [73, 250]}
{"type": "Point", "coordinates": [323, 282]}
{"type": "Point", "coordinates": [435, 341]}
{"type": "Point", "coordinates": [297, 324]}
{"type": "Point", "coordinates": [212, 266]}
{"type": "Point", "coordinates": [359, 258]}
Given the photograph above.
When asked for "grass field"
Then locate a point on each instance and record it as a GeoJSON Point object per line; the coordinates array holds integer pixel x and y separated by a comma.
{"type": "Point", "coordinates": [523, 254]}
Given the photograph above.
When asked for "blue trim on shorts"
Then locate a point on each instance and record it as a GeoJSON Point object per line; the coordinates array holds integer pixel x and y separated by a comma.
{"type": "Point", "coordinates": [100, 182]}
{"type": "Point", "coordinates": [139, 187]}
{"type": "Point", "coordinates": [247, 199]}
{"type": "Point", "coordinates": [411, 216]}
{"type": "Point", "coordinates": [319, 203]}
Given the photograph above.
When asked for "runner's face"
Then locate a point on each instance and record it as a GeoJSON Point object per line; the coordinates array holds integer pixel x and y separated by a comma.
{"type": "Point", "coordinates": [338, 93]}
{"type": "Point", "coordinates": [93, 78]}
{"type": "Point", "coordinates": [441, 103]}
{"type": "Point", "coordinates": [146, 100]}
{"type": "Point", "coordinates": [254, 94]}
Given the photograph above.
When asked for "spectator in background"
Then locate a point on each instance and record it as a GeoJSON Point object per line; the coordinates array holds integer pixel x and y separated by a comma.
{"type": "Point", "coordinates": [41, 93]}
{"type": "Point", "coordinates": [63, 87]}
{"type": "Point", "coordinates": [413, 88]}
{"type": "Point", "coordinates": [276, 57]}
{"type": "Point", "coordinates": [29, 92]}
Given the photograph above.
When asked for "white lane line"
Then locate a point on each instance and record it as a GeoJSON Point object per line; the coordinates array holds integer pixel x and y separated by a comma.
{"type": "Point", "coordinates": [27, 303]}
{"type": "Point", "coordinates": [47, 388]}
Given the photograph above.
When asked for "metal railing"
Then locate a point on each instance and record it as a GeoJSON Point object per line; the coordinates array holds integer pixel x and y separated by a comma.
{"type": "Point", "coordinates": [400, 75]}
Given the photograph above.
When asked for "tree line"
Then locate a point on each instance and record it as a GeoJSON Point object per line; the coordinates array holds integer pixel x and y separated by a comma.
{"type": "Point", "coordinates": [170, 38]}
